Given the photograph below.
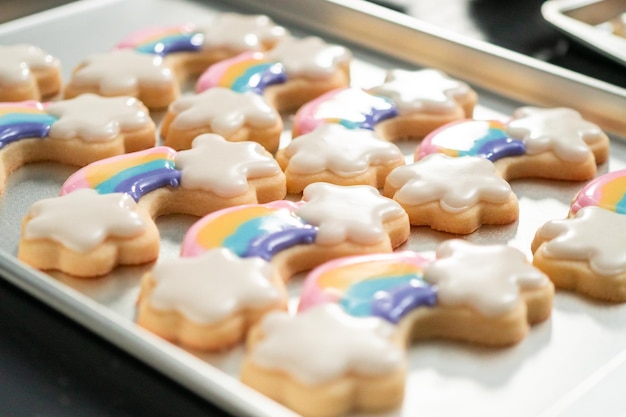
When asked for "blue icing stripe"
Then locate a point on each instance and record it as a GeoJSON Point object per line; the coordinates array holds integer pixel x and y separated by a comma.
{"type": "Point", "coordinates": [620, 207]}
{"type": "Point", "coordinates": [172, 43]}
{"type": "Point", "coordinates": [358, 299]}
{"type": "Point", "coordinates": [111, 185]}
{"type": "Point", "coordinates": [11, 118]}
{"type": "Point", "coordinates": [249, 231]}
{"type": "Point", "coordinates": [258, 77]}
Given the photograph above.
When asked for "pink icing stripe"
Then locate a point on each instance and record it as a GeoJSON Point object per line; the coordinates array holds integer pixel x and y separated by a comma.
{"type": "Point", "coordinates": [591, 194]}
{"type": "Point", "coordinates": [214, 74]}
{"type": "Point", "coordinates": [139, 37]}
{"type": "Point", "coordinates": [33, 104]}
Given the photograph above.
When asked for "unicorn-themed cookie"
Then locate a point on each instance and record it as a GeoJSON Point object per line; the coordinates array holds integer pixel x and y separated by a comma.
{"type": "Point", "coordinates": [552, 143]}
{"type": "Point", "coordinates": [454, 195]}
{"type": "Point", "coordinates": [212, 175]}
{"type": "Point", "coordinates": [87, 234]}
{"type": "Point", "coordinates": [28, 73]}
{"type": "Point", "coordinates": [76, 131]}
{"type": "Point", "coordinates": [292, 73]}
{"type": "Point", "coordinates": [151, 64]}
{"type": "Point", "coordinates": [485, 294]}
{"type": "Point", "coordinates": [408, 105]}
{"type": "Point", "coordinates": [235, 116]}
{"type": "Point", "coordinates": [338, 155]}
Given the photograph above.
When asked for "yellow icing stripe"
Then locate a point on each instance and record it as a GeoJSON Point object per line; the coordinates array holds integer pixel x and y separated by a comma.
{"type": "Point", "coordinates": [344, 277]}
{"type": "Point", "coordinates": [102, 171]}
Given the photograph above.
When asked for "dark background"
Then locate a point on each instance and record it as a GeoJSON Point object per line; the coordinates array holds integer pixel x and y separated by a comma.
{"type": "Point", "coordinates": [50, 366]}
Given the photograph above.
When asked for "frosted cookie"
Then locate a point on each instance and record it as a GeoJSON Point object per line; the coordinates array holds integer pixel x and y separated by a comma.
{"type": "Point", "coordinates": [210, 301]}
{"type": "Point", "coordinates": [338, 155]}
{"type": "Point", "coordinates": [554, 143]}
{"type": "Point", "coordinates": [151, 65]}
{"type": "Point", "coordinates": [76, 132]}
{"type": "Point", "coordinates": [190, 49]}
{"type": "Point", "coordinates": [585, 253]}
{"type": "Point", "coordinates": [484, 294]}
{"type": "Point", "coordinates": [324, 363]}
{"type": "Point", "coordinates": [236, 116]}
{"type": "Point", "coordinates": [607, 191]}
{"type": "Point", "coordinates": [455, 195]}
{"type": "Point", "coordinates": [86, 234]}
{"type": "Point", "coordinates": [408, 105]}
{"type": "Point", "coordinates": [330, 221]}
{"type": "Point", "coordinates": [28, 73]}
{"type": "Point", "coordinates": [292, 73]}
{"type": "Point", "coordinates": [212, 175]}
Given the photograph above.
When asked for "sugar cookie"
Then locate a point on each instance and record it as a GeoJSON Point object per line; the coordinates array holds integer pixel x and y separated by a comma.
{"type": "Point", "coordinates": [76, 132]}
{"type": "Point", "coordinates": [356, 364]}
{"type": "Point", "coordinates": [555, 143]}
{"type": "Point", "coordinates": [87, 234]}
{"type": "Point", "coordinates": [212, 175]}
{"type": "Point", "coordinates": [607, 191]}
{"type": "Point", "coordinates": [455, 195]}
{"type": "Point", "coordinates": [408, 105]}
{"type": "Point", "coordinates": [292, 73]}
{"type": "Point", "coordinates": [236, 116]}
{"type": "Point", "coordinates": [585, 253]}
{"type": "Point", "coordinates": [338, 155]}
{"type": "Point", "coordinates": [485, 294]}
{"type": "Point", "coordinates": [28, 73]}
{"type": "Point", "coordinates": [210, 301]}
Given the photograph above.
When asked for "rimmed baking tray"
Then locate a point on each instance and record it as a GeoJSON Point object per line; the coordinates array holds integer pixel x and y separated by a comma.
{"type": "Point", "coordinates": [565, 367]}
{"type": "Point", "coordinates": [598, 24]}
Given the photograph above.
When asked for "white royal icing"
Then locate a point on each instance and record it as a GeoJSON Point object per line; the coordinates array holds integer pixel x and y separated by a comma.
{"type": "Point", "coordinates": [595, 235]}
{"type": "Point", "coordinates": [83, 219]}
{"type": "Point", "coordinates": [324, 343]}
{"type": "Point", "coordinates": [16, 62]}
{"type": "Point", "coordinates": [212, 286]}
{"type": "Point", "coordinates": [559, 130]}
{"type": "Point", "coordinates": [457, 183]}
{"type": "Point", "coordinates": [309, 56]}
{"type": "Point", "coordinates": [345, 152]}
{"type": "Point", "coordinates": [487, 278]}
{"type": "Point", "coordinates": [121, 72]}
{"type": "Point", "coordinates": [224, 110]}
{"type": "Point", "coordinates": [242, 32]}
{"type": "Point", "coordinates": [424, 90]}
{"type": "Point", "coordinates": [95, 118]}
{"type": "Point", "coordinates": [347, 213]}
{"type": "Point", "coordinates": [214, 164]}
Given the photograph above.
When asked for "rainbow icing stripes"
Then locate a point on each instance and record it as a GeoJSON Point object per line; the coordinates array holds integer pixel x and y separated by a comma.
{"type": "Point", "coordinates": [484, 138]}
{"type": "Point", "coordinates": [20, 120]}
{"type": "Point", "coordinates": [135, 173]}
{"type": "Point", "coordinates": [352, 108]}
{"type": "Point", "coordinates": [249, 230]}
{"type": "Point", "coordinates": [384, 285]}
{"type": "Point", "coordinates": [246, 72]}
{"type": "Point", "coordinates": [164, 41]}
{"type": "Point", "coordinates": [607, 191]}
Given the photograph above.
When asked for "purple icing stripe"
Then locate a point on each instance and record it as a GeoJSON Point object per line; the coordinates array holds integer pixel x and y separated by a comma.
{"type": "Point", "coordinates": [266, 246]}
{"type": "Point", "coordinates": [140, 185]}
{"type": "Point", "coordinates": [394, 304]}
{"type": "Point", "coordinates": [15, 132]}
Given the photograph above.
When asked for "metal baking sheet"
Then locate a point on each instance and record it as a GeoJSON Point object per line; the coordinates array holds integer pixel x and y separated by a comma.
{"type": "Point", "coordinates": [568, 366]}
{"type": "Point", "coordinates": [599, 24]}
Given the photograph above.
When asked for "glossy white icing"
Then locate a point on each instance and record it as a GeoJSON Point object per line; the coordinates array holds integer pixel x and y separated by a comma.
{"type": "Point", "coordinates": [214, 164]}
{"type": "Point", "coordinates": [559, 130]}
{"type": "Point", "coordinates": [347, 213]}
{"type": "Point", "coordinates": [310, 57]}
{"type": "Point", "coordinates": [83, 219]}
{"type": "Point", "coordinates": [426, 90]}
{"type": "Point", "coordinates": [242, 32]}
{"type": "Point", "coordinates": [595, 235]}
{"type": "Point", "coordinates": [486, 278]}
{"type": "Point", "coordinates": [16, 62]}
{"type": "Point", "coordinates": [345, 152]}
{"type": "Point", "coordinates": [457, 183]}
{"type": "Point", "coordinates": [94, 118]}
{"type": "Point", "coordinates": [212, 286]}
{"type": "Point", "coordinates": [121, 72]}
{"type": "Point", "coordinates": [224, 110]}
{"type": "Point", "coordinates": [324, 343]}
